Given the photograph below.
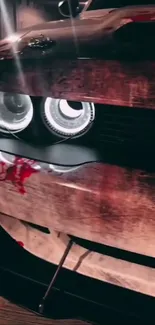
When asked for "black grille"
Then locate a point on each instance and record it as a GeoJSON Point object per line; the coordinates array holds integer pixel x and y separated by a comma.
{"type": "Point", "coordinates": [124, 125]}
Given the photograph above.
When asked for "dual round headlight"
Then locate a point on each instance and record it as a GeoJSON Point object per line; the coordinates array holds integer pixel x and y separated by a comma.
{"type": "Point", "coordinates": [61, 117]}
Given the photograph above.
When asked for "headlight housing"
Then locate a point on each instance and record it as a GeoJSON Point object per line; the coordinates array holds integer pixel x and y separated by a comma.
{"type": "Point", "coordinates": [66, 118]}
{"type": "Point", "coordinates": [16, 112]}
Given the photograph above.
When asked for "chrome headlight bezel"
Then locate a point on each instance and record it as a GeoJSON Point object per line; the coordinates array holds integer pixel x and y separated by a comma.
{"type": "Point", "coordinates": [8, 127]}
{"type": "Point", "coordinates": [56, 123]}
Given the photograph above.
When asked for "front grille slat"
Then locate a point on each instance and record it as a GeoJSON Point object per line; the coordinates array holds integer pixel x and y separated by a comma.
{"type": "Point", "coordinates": [124, 125]}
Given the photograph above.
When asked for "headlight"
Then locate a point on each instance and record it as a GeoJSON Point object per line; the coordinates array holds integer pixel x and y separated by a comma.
{"type": "Point", "coordinates": [16, 112]}
{"type": "Point", "coordinates": [66, 118]}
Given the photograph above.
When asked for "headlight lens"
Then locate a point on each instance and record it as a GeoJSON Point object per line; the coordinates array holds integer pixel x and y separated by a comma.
{"type": "Point", "coordinates": [67, 118]}
{"type": "Point", "coordinates": [16, 112]}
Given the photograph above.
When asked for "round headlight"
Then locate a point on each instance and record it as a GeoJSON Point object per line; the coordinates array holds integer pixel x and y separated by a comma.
{"type": "Point", "coordinates": [67, 118]}
{"type": "Point", "coordinates": [16, 112]}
